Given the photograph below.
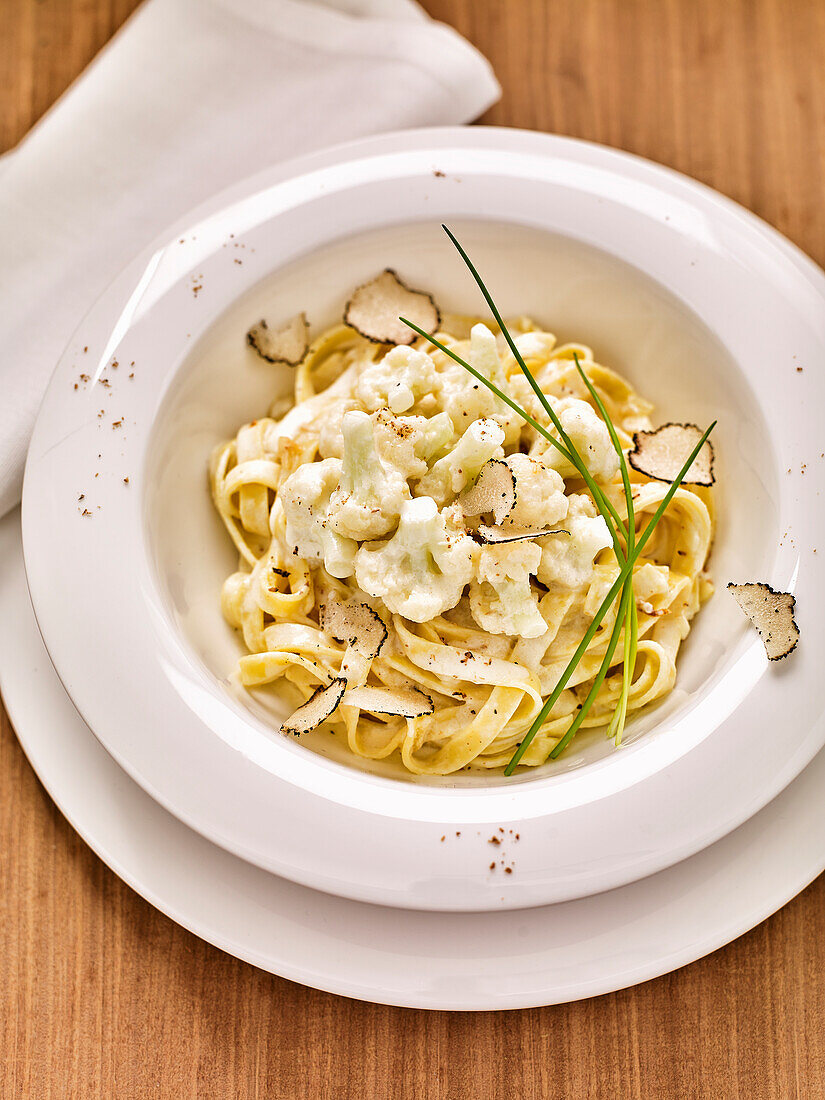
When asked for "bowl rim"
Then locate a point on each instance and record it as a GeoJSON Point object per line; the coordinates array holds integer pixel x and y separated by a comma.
{"type": "Point", "coordinates": [306, 784]}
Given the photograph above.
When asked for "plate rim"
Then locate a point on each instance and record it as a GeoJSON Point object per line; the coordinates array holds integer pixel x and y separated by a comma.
{"type": "Point", "coordinates": [31, 717]}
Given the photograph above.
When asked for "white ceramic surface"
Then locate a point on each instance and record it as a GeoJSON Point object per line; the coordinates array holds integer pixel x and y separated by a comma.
{"type": "Point", "coordinates": [480, 960]}
{"type": "Point", "coordinates": [620, 253]}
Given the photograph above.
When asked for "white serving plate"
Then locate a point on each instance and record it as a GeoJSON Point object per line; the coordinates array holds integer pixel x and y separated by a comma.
{"type": "Point", "coordinates": [620, 253]}
{"type": "Point", "coordinates": [482, 961]}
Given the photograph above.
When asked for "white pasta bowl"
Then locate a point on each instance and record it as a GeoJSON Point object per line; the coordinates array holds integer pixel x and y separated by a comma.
{"type": "Point", "coordinates": [706, 310]}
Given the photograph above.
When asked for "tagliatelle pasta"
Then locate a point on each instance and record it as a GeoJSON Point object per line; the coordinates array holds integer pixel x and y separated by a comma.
{"type": "Point", "coordinates": [354, 496]}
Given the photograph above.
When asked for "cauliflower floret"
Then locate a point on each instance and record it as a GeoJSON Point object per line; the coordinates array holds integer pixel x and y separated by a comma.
{"type": "Point", "coordinates": [422, 570]}
{"type": "Point", "coordinates": [467, 399]}
{"type": "Point", "coordinates": [484, 356]}
{"type": "Point", "coordinates": [437, 434]}
{"type": "Point", "coordinates": [305, 496]}
{"type": "Point", "coordinates": [501, 598]}
{"type": "Point", "coordinates": [331, 437]}
{"type": "Point", "coordinates": [569, 561]}
{"type": "Point", "coordinates": [397, 381]}
{"type": "Point", "coordinates": [535, 345]}
{"type": "Point", "coordinates": [540, 499]}
{"type": "Point", "coordinates": [370, 492]}
{"type": "Point", "coordinates": [649, 582]}
{"type": "Point", "coordinates": [409, 442]}
{"type": "Point", "coordinates": [589, 433]}
{"type": "Point", "coordinates": [520, 390]}
{"type": "Point", "coordinates": [481, 442]}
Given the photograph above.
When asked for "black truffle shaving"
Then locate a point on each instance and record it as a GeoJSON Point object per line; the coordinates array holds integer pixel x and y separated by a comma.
{"type": "Point", "coordinates": [316, 709]}
{"type": "Point", "coordinates": [494, 491]}
{"type": "Point", "coordinates": [495, 535]}
{"type": "Point", "coordinates": [397, 702]}
{"type": "Point", "coordinates": [375, 307]}
{"type": "Point", "coordinates": [287, 344]}
{"type": "Point", "coordinates": [661, 454]}
{"type": "Point", "coordinates": [772, 613]}
{"type": "Point", "coordinates": [356, 624]}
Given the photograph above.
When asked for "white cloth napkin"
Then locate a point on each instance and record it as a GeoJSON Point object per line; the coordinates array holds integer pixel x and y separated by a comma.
{"type": "Point", "coordinates": [191, 96]}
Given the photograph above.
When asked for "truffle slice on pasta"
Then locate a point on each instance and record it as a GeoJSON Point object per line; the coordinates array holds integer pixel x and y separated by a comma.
{"type": "Point", "coordinates": [501, 535]}
{"type": "Point", "coordinates": [403, 702]}
{"type": "Point", "coordinates": [320, 706]}
{"type": "Point", "coordinates": [375, 307]}
{"type": "Point", "coordinates": [356, 624]}
{"type": "Point", "coordinates": [662, 453]}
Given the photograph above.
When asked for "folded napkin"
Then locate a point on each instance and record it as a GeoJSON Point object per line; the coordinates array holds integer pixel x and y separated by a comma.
{"type": "Point", "coordinates": [189, 97]}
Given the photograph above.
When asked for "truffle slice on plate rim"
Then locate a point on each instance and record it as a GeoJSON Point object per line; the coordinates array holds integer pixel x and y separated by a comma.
{"type": "Point", "coordinates": [286, 344]}
{"type": "Point", "coordinates": [772, 613]}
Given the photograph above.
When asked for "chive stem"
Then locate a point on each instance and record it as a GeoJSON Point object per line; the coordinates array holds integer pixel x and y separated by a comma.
{"type": "Point", "coordinates": [617, 722]}
{"type": "Point", "coordinates": [625, 571]}
{"type": "Point", "coordinates": [607, 661]}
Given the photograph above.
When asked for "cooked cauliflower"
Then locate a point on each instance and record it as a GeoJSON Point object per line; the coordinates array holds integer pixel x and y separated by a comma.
{"type": "Point", "coordinates": [481, 442]}
{"type": "Point", "coordinates": [422, 570]}
{"type": "Point", "coordinates": [409, 442]}
{"type": "Point", "coordinates": [649, 582]}
{"type": "Point", "coordinates": [437, 434]}
{"type": "Point", "coordinates": [466, 398]}
{"type": "Point", "coordinates": [569, 561]}
{"type": "Point", "coordinates": [305, 496]}
{"type": "Point", "coordinates": [540, 499]}
{"type": "Point", "coordinates": [370, 492]}
{"type": "Point", "coordinates": [484, 356]}
{"type": "Point", "coordinates": [397, 381]}
{"type": "Point", "coordinates": [501, 599]}
{"type": "Point", "coordinates": [535, 345]}
{"type": "Point", "coordinates": [331, 436]}
{"type": "Point", "coordinates": [589, 433]}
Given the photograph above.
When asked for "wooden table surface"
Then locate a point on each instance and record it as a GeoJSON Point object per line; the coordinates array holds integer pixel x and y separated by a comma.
{"type": "Point", "coordinates": [101, 996]}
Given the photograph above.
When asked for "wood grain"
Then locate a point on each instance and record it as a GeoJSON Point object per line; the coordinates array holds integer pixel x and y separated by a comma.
{"type": "Point", "coordinates": [102, 997]}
